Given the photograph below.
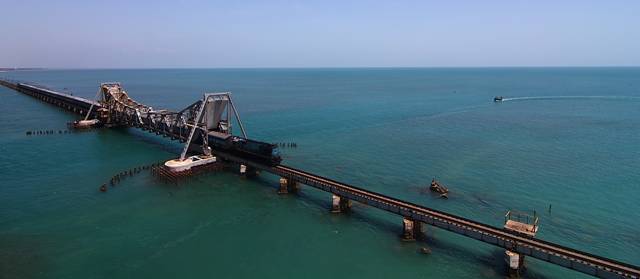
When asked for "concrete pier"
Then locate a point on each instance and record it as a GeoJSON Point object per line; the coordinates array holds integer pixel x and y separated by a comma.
{"type": "Point", "coordinates": [288, 186]}
{"type": "Point", "coordinates": [411, 229]}
{"type": "Point", "coordinates": [515, 263]}
{"type": "Point", "coordinates": [248, 171]}
{"type": "Point", "coordinates": [339, 204]}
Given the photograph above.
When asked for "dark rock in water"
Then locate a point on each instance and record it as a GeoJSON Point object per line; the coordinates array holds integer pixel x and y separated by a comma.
{"type": "Point", "coordinates": [425, 250]}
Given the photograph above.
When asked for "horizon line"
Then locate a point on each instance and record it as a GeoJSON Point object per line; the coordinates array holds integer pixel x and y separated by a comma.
{"type": "Point", "coordinates": [10, 69]}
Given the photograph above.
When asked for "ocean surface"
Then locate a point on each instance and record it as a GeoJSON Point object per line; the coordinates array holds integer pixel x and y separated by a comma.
{"type": "Point", "coordinates": [565, 138]}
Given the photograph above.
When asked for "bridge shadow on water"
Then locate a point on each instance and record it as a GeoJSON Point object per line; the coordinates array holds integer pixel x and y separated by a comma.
{"type": "Point", "coordinates": [163, 143]}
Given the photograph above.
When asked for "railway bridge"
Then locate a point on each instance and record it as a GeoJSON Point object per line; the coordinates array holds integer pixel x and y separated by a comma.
{"type": "Point", "coordinates": [177, 125]}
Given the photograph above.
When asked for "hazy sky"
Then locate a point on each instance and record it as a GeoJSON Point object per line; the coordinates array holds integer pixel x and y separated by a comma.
{"type": "Point", "coordinates": [149, 34]}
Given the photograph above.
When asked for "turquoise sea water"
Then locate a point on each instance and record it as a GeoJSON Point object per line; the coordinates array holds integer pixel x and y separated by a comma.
{"type": "Point", "coordinates": [570, 138]}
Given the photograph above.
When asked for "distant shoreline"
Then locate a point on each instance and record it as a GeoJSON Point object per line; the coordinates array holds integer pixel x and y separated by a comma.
{"type": "Point", "coordinates": [20, 69]}
{"type": "Point", "coordinates": [332, 68]}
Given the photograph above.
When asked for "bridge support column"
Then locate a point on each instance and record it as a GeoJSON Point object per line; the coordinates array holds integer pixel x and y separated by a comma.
{"type": "Point", "coordinates": [515, 263]}
{"type": "Point", "coordinates": [411, 229]}
{"type": "Point", "coordinates": [287, 185]}
{"type": "Point", "coordinates": [339, 204]}
{"type": "Point", "coordinates": [248, 171]}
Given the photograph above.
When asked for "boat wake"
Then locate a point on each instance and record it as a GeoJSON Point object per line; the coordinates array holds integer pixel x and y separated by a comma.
{"type": "Point", "coordinates": [570, 97]}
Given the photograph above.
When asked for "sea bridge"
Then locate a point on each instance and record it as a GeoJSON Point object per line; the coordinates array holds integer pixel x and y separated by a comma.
{"type": "Point", "coordinates": [119, 109]}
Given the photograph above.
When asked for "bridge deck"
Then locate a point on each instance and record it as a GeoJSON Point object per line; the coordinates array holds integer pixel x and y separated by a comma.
{"type": "Point", "coordinates": [72, 103]}
{"type": "Point", "coordinates": [540, 249]}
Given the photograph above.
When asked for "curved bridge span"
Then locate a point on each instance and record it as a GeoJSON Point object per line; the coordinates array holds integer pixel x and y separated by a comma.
{"type": "Point", "coordinates": [516, 242]}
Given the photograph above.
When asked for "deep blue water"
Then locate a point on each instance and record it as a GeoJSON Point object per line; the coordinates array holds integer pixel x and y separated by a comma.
{"type": "Point", "coordinates": [569, 138]}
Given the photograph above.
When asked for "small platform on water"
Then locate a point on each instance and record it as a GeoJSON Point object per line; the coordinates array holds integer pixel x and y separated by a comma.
{"type": "Point", "coordinates": [178, 165]}
{"type": "Point", "coordinates": [167, 174]}
{"type": "Point", "coordinates": [521, 223]}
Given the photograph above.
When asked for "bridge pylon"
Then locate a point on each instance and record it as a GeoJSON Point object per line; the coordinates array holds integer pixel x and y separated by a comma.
{"type": "Point", "coordinates": [339, 204]}
{"type": "Point", "coordinates": [522, 224]}
{"type": "Point", "coordinates": [288, 185]}
{"type": "Point", "coordinates": [411, 229]}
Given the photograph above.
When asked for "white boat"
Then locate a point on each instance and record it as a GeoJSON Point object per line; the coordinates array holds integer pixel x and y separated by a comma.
{"type": "Point", "coordinates": [176, 165]}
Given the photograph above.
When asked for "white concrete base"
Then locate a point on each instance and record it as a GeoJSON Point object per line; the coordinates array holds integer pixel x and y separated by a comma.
{"type": "Point", "coordinates": [513, 259]}
{"type": "Point", "coordinates": [177, 166]}
{"type": "Point", "coordinates": [515, 262]}
{"type": "Point", "coordinates": [85, 123]}
{"type": "Point", "coordinates": [339, 204]}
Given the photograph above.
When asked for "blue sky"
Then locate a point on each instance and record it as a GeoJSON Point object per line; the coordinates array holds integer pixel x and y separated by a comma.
{"type": "Point", "coordinates": [209, 34]}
